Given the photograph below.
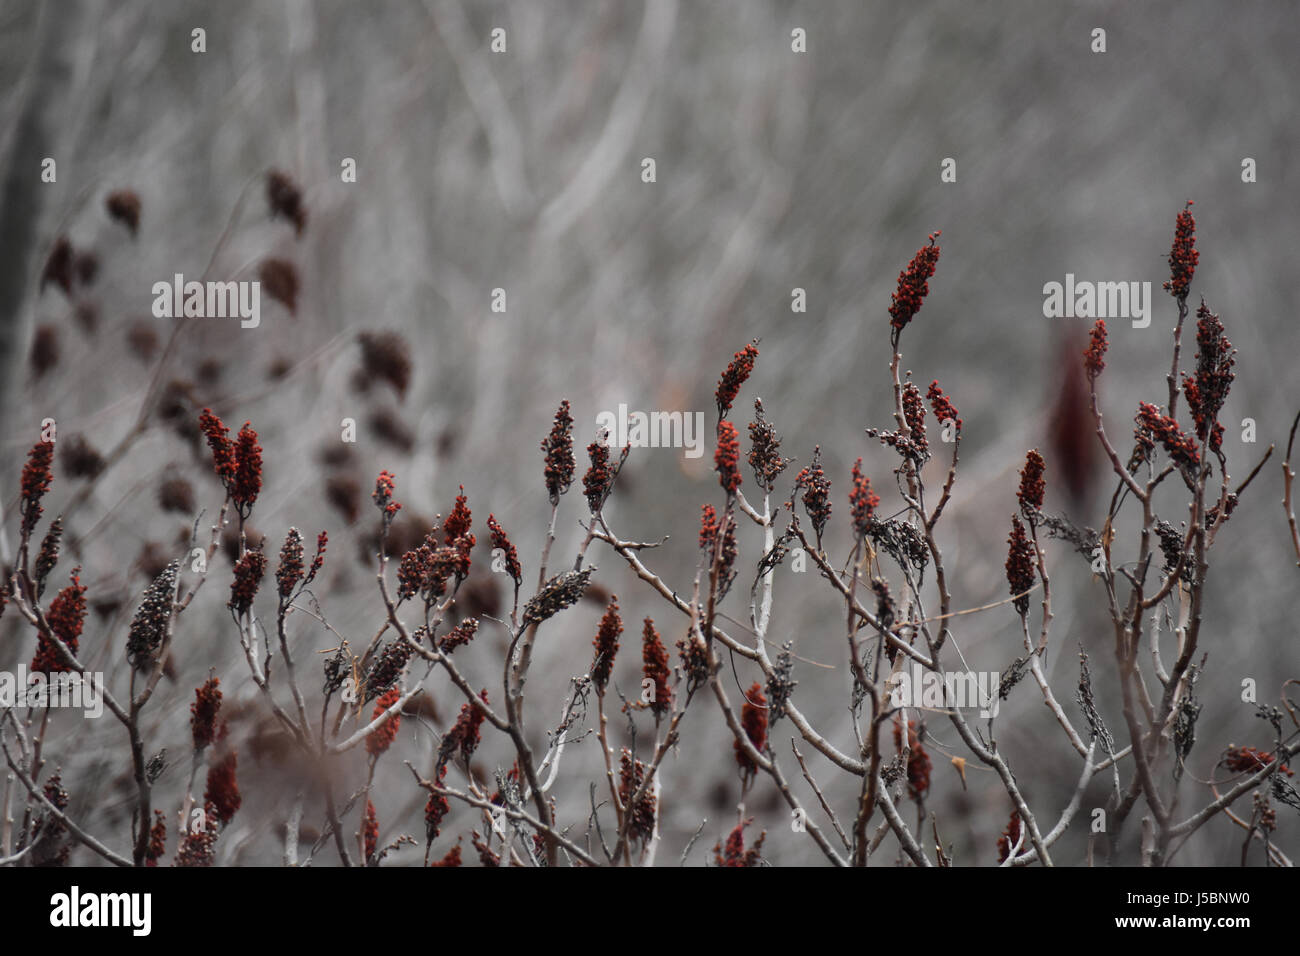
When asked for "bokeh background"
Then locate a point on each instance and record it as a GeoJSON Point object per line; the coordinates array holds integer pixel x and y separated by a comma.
{"type": "Point", "coordinates": [522, 171]}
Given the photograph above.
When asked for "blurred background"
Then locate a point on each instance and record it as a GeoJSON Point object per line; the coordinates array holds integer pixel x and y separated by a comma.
{"type": "Point", "coordinates": [521, 171]}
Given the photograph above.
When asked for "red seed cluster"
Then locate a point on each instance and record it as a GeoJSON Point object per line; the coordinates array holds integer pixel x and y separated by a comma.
{"type": "Point", "coordinates": [248, 470]}
{"type": "Point", "coordinates": [914, 415]}
{"type": "Point", "coordinates": [1251, 760]}
{"type": "Point", "coordinates": [1032, 486]}
{"type": "Point", "coordinates": [435, 811]}
{"type": "Point", "coordinates": [655, 669]}
{"type": "Point", "coordinates": [452, 858]}
{"type": "Point", "coordinates": [200, 845]}
{"type": "Point", "coordinates": [742, 364]}
{"type": "Point", "coordinates": [157, 840]}
{"type": "Point", "coordinates": [486, 855]}
{"type": "Point", "coordinates": [318, 562]}
{"type": "Point", "coordinates": [606, 645]}
{"type": "Point", "coordinates": [426, 570]}
{"type": "Point", "coordinates": [816, 492]}
{"type": "Point", "coordinates": [1010, 837]}
{"type": "Point", "coordinates": [695, 661]}
{"type": "Point", "coordinates": [223, 449]}
{"type": "Point", "coordinates": [1207, 390]}
{"type": "Point", "coordinates": [734, 854]}
{"type": "Point", "coordinates": [862, 501]}
{"type": "Point", "coordinates": [913, 286]}
{"type": "Point", "coordinates": [382, 496]}
{"type": "Point", "coordinates": [1162, 428]}
{"type": "Point", "coordinates": [222, 793]}
{"type": "Point", "coordinates": [765, 450]}
{"type": "Point", "coordinates": [1094, 356]}
{"type": "Point", "coordinates": [458, 636]}
{"type": "Point", "coordinates": [370, 832]}
{"type": "Point", "coordinates": [641, 814]}
{"type": "Point", "coordinates": [918, 761]}
{"type": "Point", "coordinates": [501, 541]}
{"type": "Point", "coordinates": [726, 459]}
{"type": "Point", "coordinates": [291, 569]}
{"type": "Point", "coordinates": [237, 463]}
{"type": "Point", "coordinates": [249, 571]}
{"type": "Point", "coordinates": [943, 408]}
{"type": "Point", "coordinates": [1020, 564]}
{"type": "Point", "coordinates": [382, 737]}
{"type": "Point", "coordinates": [388, 668]}
{"type": "Point", "coordinates": [753, 720]}
{"type": "Point", "coordinates": [460, 520]}
{"type": "Point", "coordinates": [35, 483]}
{"type": "Point", "coordinates": [598, 482]}
{"type": "Point", "coordinates": [463, 738]}
{"type": "Point", "coordinates": [1183, 256]}
{"type": "Point", "coordinates": [204, 712]}
{"type": "Point", "coordinates": [558, 449]}
{"type": "Point", "coordinates": [710, 528]}
{"type": "Point", "coordinates": [53, 850]}
{"type": "Point", "coordinates": [66, 616]}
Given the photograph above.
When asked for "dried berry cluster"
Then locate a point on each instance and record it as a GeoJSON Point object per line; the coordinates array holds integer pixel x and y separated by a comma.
{"type": "Point", "coordinates": [641, 812]}
{"type": "Point", "coordinates": [35, 483]}
{"type": "Point", "coordinates": [500, 541]}
{"type": "Point", "coordinates": [742, 365]}
{"type": "Point", "coordinates": [942, 406]}
{"type": "Point", "coordinates": [753, 719]}
{"type": "Point", "coordinates": [1032, 486]}
{"type": "Point", "coordinates": [862, 501]}
{"type": "Point", "coordinates": [1207, 389]}
{"type": "Point", "coordinates": [249, 571]}
{"type": "Point", "coordinates": [726, 459]}
{"type": "Point", "coordinates": [816, 489]}
{"type": "Point", "coordinates": [918, 761]}
{"type": "Point", "coordinates": [1153, 426]}
{"type": "Point", "coordinates": [598, 482]}
{"type": "Point", "coordinates": [1020, 565]}
{"type": "Point", "coordinates": [765, 450]}
{"type": "Point", "coordinates": [1094, 356]}
{"type": "Point", "coordinates": [237, 463]}
{"type": "Point", "coordinates": [606, 644]}
{"type": "Point", "coordinates": [204, 712]}
{"type": "Point", "coordinates": [66, 616]}
{"type": "Point", "coordinates": [734, 853]}
{"type": "Point", "coordinates": [563, 590]}
{"type": "Point", "coordinates": [558, 449]}
{"type": "Point", "coordinates": [913, 287]}
{"type": "Point", "coordinates": [1183, 257]}
{"type": "Point", "coordinates": [655, 669]}
{"type": "Point", "coordinates": [149, 626]}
